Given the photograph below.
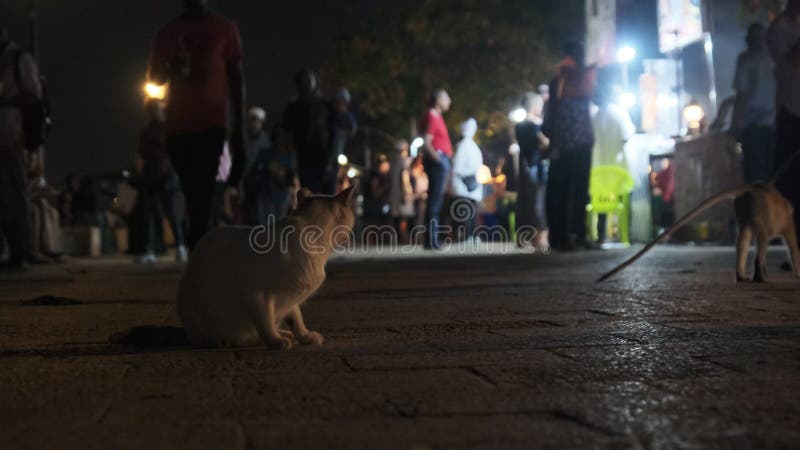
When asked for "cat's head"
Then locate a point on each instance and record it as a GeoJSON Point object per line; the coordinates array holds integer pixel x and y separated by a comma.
{"type": "Point", "coordinates": [336, 210]}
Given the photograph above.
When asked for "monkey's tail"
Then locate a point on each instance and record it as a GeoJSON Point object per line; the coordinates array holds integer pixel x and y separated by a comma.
{"type": "Point", "coordinates": [726, 195]}
{"type": "Point", "coordinates": [782, 169]}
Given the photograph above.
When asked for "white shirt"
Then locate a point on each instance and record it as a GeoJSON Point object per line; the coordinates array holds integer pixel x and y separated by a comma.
{"type": "Point", "coordinates": [467, 162]}
{"type": "Point", "coordinates": [783, 34]}
{"type": "Point", "coordinates": [612, 128]}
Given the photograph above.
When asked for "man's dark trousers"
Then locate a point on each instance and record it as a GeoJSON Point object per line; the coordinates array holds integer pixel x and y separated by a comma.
{"type": "Point", "coordinates": [438, 173]}
{"type": "Point", "coordinates": [568, 195]}
{"type": "Point", "coordinates": [758, 148]}
{"type": "Point", "coordinates": [195, 158]}
{"type": "Point", "coordinates": [787, 143]}
{"type": "Point", "coordinates": [14, 203]}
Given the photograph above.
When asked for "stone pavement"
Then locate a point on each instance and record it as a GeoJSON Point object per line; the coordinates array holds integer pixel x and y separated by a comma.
{"type": "Point", "coordinates": [444, 352]}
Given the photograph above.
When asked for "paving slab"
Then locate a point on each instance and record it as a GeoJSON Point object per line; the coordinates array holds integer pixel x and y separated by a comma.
{"type": "Point", "coordinates": [422, 351]}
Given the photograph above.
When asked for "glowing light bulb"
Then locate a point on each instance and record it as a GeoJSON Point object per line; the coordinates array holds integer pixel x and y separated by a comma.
{"type": "Point", "coordinates": [517, 115]}
{"type": "Point", "coordinates": [155, 91]}
{"type": "Point", "coordinates": [626, 54]}
{"type": "Point", "coordinates": [484, 175]}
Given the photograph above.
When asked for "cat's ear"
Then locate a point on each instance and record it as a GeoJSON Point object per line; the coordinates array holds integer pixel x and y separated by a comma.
{"type": "Point", "coordinates": [347, 196]}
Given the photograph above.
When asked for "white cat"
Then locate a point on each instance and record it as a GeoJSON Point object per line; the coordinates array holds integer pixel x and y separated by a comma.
{"type": "Point", "coordinates": [241, 283]}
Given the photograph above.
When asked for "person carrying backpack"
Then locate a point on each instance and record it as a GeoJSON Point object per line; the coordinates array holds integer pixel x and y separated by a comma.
{"type": "Point", "coordinates": [568, 125]}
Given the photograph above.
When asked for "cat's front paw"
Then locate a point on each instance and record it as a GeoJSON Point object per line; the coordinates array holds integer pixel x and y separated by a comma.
{"type": "Point", "coordinates": [312, 338]}
{"type": "Point", "coordinates": [282, 343]}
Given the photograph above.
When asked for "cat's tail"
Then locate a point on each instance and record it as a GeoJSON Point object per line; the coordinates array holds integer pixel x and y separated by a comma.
{"type": "Point", "coordinates": [151, 336]}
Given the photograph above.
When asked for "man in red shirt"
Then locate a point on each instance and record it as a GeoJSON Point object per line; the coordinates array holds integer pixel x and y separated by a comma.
{"type": "Point", "coordinates": [200, 55]}
{"type": "Point", "coordinates": [436, 160]}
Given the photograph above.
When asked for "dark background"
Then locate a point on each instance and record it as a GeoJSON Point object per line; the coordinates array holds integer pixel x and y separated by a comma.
{"type": "Point", "coordinates": [94, 54]}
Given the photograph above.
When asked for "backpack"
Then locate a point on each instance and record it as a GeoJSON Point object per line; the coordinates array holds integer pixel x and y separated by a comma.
{"type": "Point", "coordinates": [35, 114]}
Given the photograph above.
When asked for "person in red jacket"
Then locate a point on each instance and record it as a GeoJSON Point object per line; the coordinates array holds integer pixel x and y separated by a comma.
{"type": "Point", "coordinates": [438, 152]}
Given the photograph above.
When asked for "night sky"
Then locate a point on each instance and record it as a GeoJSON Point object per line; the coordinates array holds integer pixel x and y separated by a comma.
{"type": "Point", "coordinates": [94, 54]}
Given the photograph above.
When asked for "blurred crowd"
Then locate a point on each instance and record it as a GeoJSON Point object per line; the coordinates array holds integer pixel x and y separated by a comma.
{"type": "Point", "coordinates": [205, 159]}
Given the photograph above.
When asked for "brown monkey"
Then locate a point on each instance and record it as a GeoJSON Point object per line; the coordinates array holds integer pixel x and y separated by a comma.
{"type": "Point", "coordinates": [761, 212]}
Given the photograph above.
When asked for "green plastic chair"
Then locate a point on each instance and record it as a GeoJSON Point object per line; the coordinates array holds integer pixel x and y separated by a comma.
{"type": "Point", "coordinates": [610, 189]}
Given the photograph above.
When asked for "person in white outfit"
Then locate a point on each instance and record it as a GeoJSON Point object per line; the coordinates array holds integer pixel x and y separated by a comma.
{"type": "Point", "coordinates": [613, 127]}
{"type": "Point", "coordinates": [464, 187]}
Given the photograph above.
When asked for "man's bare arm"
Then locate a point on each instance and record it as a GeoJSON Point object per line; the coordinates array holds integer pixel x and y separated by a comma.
{"type": "Point", "coordinates": [429, 148]}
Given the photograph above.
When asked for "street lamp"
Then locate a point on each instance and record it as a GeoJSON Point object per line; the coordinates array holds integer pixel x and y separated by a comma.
{"type": "Point", "coordinates": [625, 55]}
{"type": "Point", "coordinates": [693, 114]}
{"type": "Point", "coordinates": [342, 160]}
{"type": "Point", "coordinates": [155, 91]}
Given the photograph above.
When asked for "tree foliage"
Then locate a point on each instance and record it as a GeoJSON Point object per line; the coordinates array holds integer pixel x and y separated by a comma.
{"type": "Point", "coordinates": [486, 53]}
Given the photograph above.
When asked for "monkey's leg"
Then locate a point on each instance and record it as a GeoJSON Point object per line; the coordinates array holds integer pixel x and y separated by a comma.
{"type": "Point", "coordinates": [761, 257]}
{"type": "Point", "coordinates": [742, 250]}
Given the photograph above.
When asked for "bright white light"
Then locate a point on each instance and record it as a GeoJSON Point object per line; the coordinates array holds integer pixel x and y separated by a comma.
{"type": "Point", "coordinates": [155, 91]}
{"type": "Point", "coordinates": [627, 100]}
{"type": "Point", "coordinates": [666, 101]}
{"type": "Point", "coordinates": [415, 145]}
{"type": "Point", "coordinates": [626, 54]}
{"type": "Point", "coordinates": [351, 173]}
{"type": "Point", "coordinates": [484, 175]}
{"type": "Point", "coordinates": [343, 160]}
{"type": "Point", "coordinates": [709, 46]}
{"type": "Point", "coordinates": [517, 115]}
{"type": "Point", "coordinates": [513, 149]}
{"type": "Point", "coordinates": [693, 114]}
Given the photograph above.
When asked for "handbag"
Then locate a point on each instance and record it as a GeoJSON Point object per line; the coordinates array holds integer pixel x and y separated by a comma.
{"type": "Point", "coordinates": [471, 182]}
